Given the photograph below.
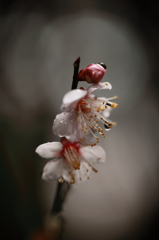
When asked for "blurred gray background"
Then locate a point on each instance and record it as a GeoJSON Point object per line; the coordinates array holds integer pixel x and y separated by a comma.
{"type": "Point", "coordinates": [39, 41]}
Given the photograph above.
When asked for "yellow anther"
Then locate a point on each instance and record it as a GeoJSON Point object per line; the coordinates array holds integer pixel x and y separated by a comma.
{"type": "Point", "coordinates": [115, 97]}
{"type": "Point", "coordinates": [102, 108]}
{"type": "Point", "coordinates": [114, 105]}
{"type": "Point", "coordinates": [95, 170]}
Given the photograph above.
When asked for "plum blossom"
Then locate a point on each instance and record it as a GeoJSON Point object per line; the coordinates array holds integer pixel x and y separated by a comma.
{"type": "Point", "coordinates": [69, 160]}
{"type": "Point", "coordinates": [93, 73]}
{"type": "Point", "coordinates": [83, 112]}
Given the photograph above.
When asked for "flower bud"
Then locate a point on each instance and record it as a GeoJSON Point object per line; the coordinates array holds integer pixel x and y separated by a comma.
{"type": "Point", "coordinates": [93, 73]}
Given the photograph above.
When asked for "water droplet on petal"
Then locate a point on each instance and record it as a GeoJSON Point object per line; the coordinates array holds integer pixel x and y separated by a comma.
{"type": "Point", "coordinates": [61, 179]}
{"type": "Point", "coordinates": [62, 121]}
{"type": "Point", "coordinates": [107, 126]}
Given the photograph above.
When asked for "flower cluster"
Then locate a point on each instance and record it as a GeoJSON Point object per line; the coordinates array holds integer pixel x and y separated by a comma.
{"type": "Point", "coordinates": [83, 117]}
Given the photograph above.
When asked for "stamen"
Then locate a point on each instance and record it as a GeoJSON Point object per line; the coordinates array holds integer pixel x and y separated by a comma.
{"type": "Point", "coordinates": [112, 105]}
{"type": "Point", "coordinates": [112, 98]}
{"type": "Point", "coordinates": [93, 168]}
{"type": "Point", "coordinates": [108, 104]}
{"type": "Point", "coordinates": [72, 177]}
{"type": "Point", "coordinates": [72, 157]}
{"type": "Point", "coordinates": [89, 114]}
{"type": "Point", "coordinates": [80, 178]}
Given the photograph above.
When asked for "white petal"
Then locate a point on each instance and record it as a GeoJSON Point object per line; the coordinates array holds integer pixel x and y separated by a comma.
{"type": "Point", "coordinates": [99, 86]}
{"type": "Point", "coordinates": [94, 154]}
{"type": "Point", "coordinates": [85, 171]}
{"type": "Point", "coordinates": [51, 171]}
{"type": "Point", "coordinates": [80, 175]}
{"type": "Point", "coordinates": [71, 98]}
{"type": "Point", "coordinates": [105, 85]}
{"type": "Point", "coordinates": [49, 150]}
{"type": "Point", "coordinates": [87, 137]}
{"type": "Point", "coordinates": [63, 124]}
{"type": "Point", "coordinates": [72, 138]}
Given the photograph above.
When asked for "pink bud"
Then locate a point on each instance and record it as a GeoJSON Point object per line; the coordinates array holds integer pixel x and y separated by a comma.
{"type": "Point", "coordinates": [93, 73]}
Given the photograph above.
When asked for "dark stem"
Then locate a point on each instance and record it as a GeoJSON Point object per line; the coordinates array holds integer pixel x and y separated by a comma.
{"type": "Point", "coordinates": [75, 75]}
{"type": "Point", "coordinates": [61, 192]}
{"type": "Point", "coordinates": [63, 188]}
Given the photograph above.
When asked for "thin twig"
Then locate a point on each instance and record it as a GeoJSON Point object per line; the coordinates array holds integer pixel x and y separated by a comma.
{"type": "Point", "coordinates": [76, 65]}
{"type": "Point", "coordinates": [63, 188]}
{"type": "Point", "coordinates": [61, 192]}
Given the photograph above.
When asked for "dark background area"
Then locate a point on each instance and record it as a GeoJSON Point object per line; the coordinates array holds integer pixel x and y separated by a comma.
{"type": "Point", "coordinates": [21, 208]}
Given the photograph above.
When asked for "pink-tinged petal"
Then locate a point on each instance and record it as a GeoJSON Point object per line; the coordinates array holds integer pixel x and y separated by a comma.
{"type": "Point", "coordinates": [99, 86]}
{"type": "Point", "coordinates": [51, 171]}
{"type": "Point", "coordinates": [93, 73]}
{"type": "Point", "coordinates": [94, 154]}
{"type": "Point", "coordinates": [63, 124]}
{"type": "Point", "coordinates": [49, 150]}
{"type": "Point", "coordinates": [71, 98]}
{"type": "Point", "coordinates": [96, 66]}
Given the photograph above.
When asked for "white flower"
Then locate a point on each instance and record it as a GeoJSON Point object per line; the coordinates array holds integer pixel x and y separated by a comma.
{"type": "Point", "coordinates": [69, 161]}
{"type": "Point", "coordinates": [82, 112]}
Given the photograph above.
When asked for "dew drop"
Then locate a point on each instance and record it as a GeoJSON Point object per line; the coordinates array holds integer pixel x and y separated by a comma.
{"type": "Point", "coordinates": [71, 120]}
{"type": "Point", "coordinates": [61, 179]}
{"type": "Point", "coordinates": [62, 121]}
{"type": "Point", "coordinates": [103, 65]}
{"type": "Point", "coordinates": [107, 126]}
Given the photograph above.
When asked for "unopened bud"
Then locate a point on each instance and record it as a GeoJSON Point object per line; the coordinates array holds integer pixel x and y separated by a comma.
{"type": "Point", "coordinates": [93, 73]}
